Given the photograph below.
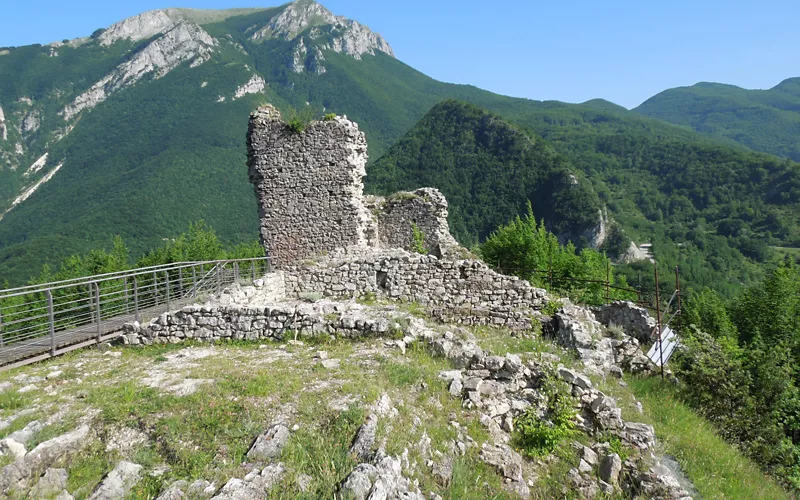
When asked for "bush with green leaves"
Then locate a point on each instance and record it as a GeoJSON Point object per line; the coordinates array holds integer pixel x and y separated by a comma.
{"type": "Point", "coordinates": [540, 435]}
{"type": "Point", "coordinates": [417, 240]}
{"type": "Point", "coordinates": [525, 248]}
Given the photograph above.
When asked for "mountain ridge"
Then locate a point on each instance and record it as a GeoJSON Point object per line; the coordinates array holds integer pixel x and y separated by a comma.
{"type": "Point", "coordinates": [168, 149]}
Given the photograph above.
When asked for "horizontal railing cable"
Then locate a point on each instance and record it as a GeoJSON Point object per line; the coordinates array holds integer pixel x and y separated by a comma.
{"type": "Point", "coordinates": [36, 319]}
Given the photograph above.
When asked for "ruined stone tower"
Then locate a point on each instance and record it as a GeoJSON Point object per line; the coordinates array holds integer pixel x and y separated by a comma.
{"type": "Point", "coordinates": [309, 186]}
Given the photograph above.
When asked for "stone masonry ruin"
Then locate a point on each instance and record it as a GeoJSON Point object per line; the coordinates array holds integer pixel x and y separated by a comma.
{"type": "Point", "coordinates": [331, 245]}
{"type": "Point", "coordinates": [309, 186]}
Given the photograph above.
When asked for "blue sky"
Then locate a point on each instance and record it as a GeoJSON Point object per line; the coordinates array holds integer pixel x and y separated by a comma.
{"type": "Point", "coordinates": [623, 51]}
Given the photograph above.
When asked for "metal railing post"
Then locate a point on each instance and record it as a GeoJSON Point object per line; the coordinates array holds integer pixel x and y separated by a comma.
{"type": "Point", "coordinates": [2, 341]}
{"type": "Point", "coordinates": [180, 283]}
{"type": "Point", "coordinates": [194, 282]}
{"type": "Point", "coordinates": [135, 300]}
{"type": "Point", "coordinates": [52, 320]}
{"type": "Point", "coordinates": [127, 307]}
{"type": "Point", "coordinates": [97, 306]}
{"type": "Point", "coordinates": [253, 266]}
{"type": "Point", "coordinates": [166, 281]}
{"type": "Point", "coordinates": [155, 287]}
{"type": "Point", "coordinates": [658, 323]}
{"type": "Point", "coordinates": [219, 278]}
{"type": "Point", "coordinates": [236, 272]}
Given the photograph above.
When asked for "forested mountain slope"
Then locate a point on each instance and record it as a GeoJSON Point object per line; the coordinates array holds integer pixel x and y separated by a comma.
{"type": "Point", "coordinates": [763, 120]}
{"type": "Point", "coordinates": [144, 129]}
{"type": "Point", "coordinates": [711, 209]}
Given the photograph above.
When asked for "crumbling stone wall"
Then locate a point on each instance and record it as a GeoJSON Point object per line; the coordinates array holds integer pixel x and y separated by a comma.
{"type": "Point", "coordinates": [634, 320]}
{"type": "Point", "coordinates": [424, 209]}
{"type": "Point", "coordinates": [456, 291]}
{"type": "Point", "coordinates": [308, 185]}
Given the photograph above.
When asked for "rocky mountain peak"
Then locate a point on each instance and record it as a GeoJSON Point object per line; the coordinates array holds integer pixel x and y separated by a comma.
{"type": "Point", "coordinates": [295, 18]}
{"type": "Point", "coordinates": [346, 36]}
{"type": "Point", "coordinates": [138, 27]}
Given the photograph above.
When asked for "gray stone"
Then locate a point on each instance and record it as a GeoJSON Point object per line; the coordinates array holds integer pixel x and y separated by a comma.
{"type": "Point", "coordinates": [119, 482]}
{"type": "Point", "coordinates": [588, 455]}
{"type": "Point", "coordinates": [21, 473]}
{"type": "Point", "coordinates": [9, 446]}
{"type": "Point", "coordinates": [25, 435]}
{"type": "Point", "coordinates": [610, 467]}
{"type": "Point", "coordinates": [359, 483]}
{"type": "Point", "coordinates": [52, 483]}
{"type": "Point", "coordinates": [364, 441]}
{"type": "Point", "coordinates": [269, 445]}
{"type": "Point", "coordinates": [507, 461]}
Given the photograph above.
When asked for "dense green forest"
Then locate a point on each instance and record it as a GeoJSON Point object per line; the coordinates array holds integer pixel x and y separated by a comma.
{"type": "Point", "coordinates": [158, 155]}
{"type": "Point", "coordinates": [488, 170]}
{"type": "Point", "coordinates": [715, 211]}
{"type": "Point", "coordinates": [738, 365]}
{"type": "Point", "coordinates": [763, 120]}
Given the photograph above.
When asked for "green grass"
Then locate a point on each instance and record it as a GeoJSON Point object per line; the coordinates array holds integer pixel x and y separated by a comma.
{"type": "Point", "coordinates": [716, 468]}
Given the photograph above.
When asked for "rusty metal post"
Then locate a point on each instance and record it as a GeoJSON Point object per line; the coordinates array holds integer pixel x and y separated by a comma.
{"type": "Point", "coordinates": [639, 289]}
{"type": "Point", "coordinates": [658, 320]}
{"type": "Point", "coordinates": [678, 296]}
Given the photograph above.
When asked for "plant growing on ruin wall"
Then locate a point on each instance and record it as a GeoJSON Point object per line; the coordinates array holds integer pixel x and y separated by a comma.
{"type": "Point", "coordinates": [417, 240]}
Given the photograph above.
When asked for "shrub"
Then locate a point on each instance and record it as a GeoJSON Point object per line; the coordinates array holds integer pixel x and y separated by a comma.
{"type": "Point", "coordinates": [539, 436]}
{"type": "Point", "coordinates": [297, 125]}
{"type": "Point", "coordinates": [417, 240]}
{"type": "Point", "coordinates": [329, 117]}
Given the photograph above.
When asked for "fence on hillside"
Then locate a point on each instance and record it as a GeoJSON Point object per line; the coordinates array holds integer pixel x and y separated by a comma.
{"type": "Point", "coordinates": [604, 291]}
{"type": "Point", "coordinates": [41, 321]}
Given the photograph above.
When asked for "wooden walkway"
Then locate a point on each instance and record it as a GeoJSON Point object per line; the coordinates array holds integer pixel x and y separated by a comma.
{"type": "Point", "coordinates": [38, 348]}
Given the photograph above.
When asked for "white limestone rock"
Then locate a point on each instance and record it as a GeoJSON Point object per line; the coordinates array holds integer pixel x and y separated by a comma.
{"type": "Point", "coordinates": [255, 85]}
{"type": "Point", "coordinates": [119, 482]}
{"type": "Point", "coordinates": [3, 126]}
{"type": "Point", "coordinates": [140, 27]}
{"type": "Point", "coordinates": [348, 36]}
{"type": "Point", "coordinates": [183, 42]}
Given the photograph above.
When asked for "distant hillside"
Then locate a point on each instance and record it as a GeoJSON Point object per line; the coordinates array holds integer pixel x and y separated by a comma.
{"type": "Point", "coordinates": [140, 129]}
{"type": "Point", "coordinates": [763, 120]}
{"type": "Point", "coordinates": [489, 170]}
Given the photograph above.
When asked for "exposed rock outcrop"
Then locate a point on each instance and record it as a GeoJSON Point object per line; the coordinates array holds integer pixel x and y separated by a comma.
{"type": "Point", "coordinates": [119, 482]}
{"type": "Point", "coordinates": [22, 473]}
{"type": "Point", "coordinates": [255, 85]}
{"type": "Point", "coordinates": [139, 27]}
{"type": "Point", "coordinates": [3, 126]}
{"type": "Point", "coordinates": [183, 42]}
{"type": "Point", "coordinates": [345, 36]}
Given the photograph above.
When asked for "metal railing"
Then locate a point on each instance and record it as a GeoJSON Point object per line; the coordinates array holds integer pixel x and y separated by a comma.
{"type": "Point", "coordinates": [45, 319]}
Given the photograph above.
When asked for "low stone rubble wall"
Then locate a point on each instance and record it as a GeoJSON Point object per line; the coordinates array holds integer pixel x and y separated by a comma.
{"type": "Point", "coordinates": [215, 323]}
{"type": "Point", "coordinates": [634, 320]}
{"type": "Point", "coordinates": [461, 291]}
